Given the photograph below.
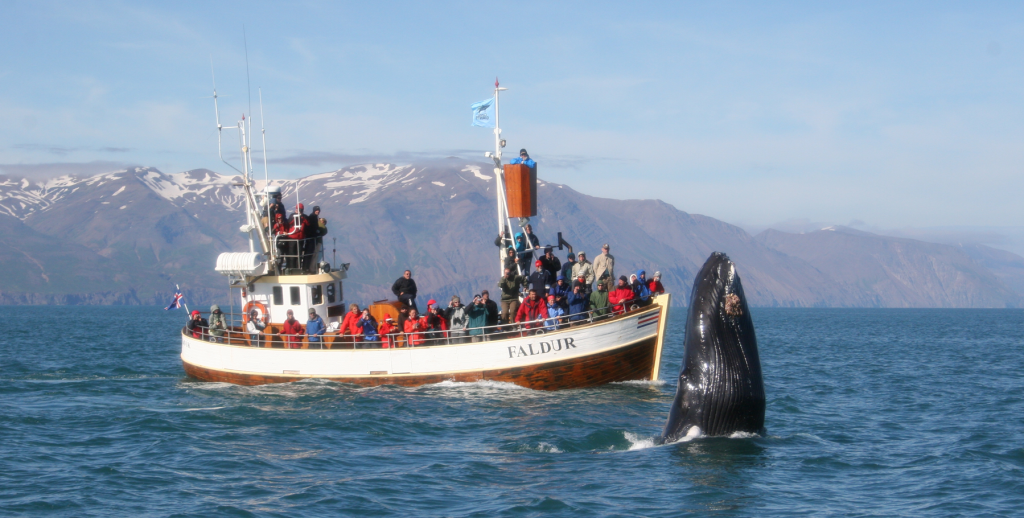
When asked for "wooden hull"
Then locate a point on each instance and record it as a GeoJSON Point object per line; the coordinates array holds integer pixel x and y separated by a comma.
{"type": "Point", "coordinates": [622, 349]}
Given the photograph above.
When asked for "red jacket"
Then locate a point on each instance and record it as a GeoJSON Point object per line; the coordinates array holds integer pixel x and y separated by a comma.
{"type": "Point", "coordinates": [655, 286]}
{"type": "Point", "coordinates": [350, 324]}
{"type": "Point", "coordinates": [618, 297]}
{"type": "Point", "coordinates": [387, 334]}
{"type": "Point", "coordinates": [413, 328]}
{"type": "Point", "coordinates": [295, 331]}
{"type": "Point", "coordinates": [532, 311]}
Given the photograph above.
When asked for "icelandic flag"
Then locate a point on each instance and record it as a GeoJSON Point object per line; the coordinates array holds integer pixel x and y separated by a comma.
{"type": "Point", "coordinates": [483, 113]}
{"type": "Point", "coordinates": [176, 302]}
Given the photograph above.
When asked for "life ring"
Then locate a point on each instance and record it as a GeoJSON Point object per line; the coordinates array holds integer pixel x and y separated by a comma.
{"type": "Point", "coordinates": [258, 306]}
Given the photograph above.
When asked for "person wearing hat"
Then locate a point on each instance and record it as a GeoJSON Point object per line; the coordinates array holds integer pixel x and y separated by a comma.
{"type": "Point", "coordinates": [560, 290]}
{"type": "Point", "coordinates": [524, 158]}
{"type": "Point", "coordinates": [477, 313]}
{"type": "Point", "coordinates": [218, 324]}
{"type": "Point", "coordinates": [510, 284]}
{"type": "Point", "coordinates": [567, 266]}
{"type": "Point", "coordinates": [581, 282]}
{"type": "Point", "coordinates": [458, 320]}
{"type": "Point", "coordinates": [297, 232]}
{"type": "Point", "coordinates": [599, 300]}
{"type": "Point", "coordinates": [577, 301]}
{"type": "Point", "coordinates": [197, 325]}
{"type": "Point", "coordinates": [315, 329]}
{"type": "Point", "coordinates": [540, 279]}
{"type": "Point", "coordinates": [437, 324]}
{"type": "Point", "coordinates": [316, 229]}
{"type": "Point", "coordinates": [523, 253]}
{"type": "Point", "coordinates": [292, 331]}
{"type": "Point", "coordinates": [388, 332]}
{"type": "Point", "coordinates": [551, 263]}
{"type": "Point", "coordinates": [584, 269]}
{"type": "Point", "coordinates": [555, 314]}
{"type": "Point", "coordinates": [255, 327]}
{"type": "Point", "coordinates": [655, 284]}
{"type": "Point", "coordinates": [604, 265]}
{"type": "Point", "coordinates": [274, 204]}
{"type": "Point", "coordinates": [621, 296]}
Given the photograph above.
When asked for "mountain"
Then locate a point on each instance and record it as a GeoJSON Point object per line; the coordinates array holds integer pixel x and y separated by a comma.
{"type": "Point", "coordinates": [130, 236]}
{"type": "Point", "coordinates": [896, 272]}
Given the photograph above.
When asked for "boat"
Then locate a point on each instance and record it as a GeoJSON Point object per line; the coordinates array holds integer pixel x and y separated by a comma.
{"type": "Point", "coordinates": [274, 276]}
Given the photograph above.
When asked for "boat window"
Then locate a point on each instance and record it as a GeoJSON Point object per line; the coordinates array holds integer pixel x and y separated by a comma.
{"type": "Point", "coordinates": [278, 296]}
{"type": "Point", "coordinates": [296, 296]}
{"type": "Point", "coordinates": [317, 294]}
{"type": "Point", "coordinates": [330, 293]}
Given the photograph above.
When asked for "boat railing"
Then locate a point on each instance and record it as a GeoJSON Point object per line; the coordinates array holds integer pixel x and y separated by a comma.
{"type": "Point", "coordinates": [293, 256]}
{"type": "Point", "coordinates": [237, 332]}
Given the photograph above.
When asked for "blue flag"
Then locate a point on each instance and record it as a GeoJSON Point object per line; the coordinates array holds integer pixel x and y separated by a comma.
{"type": "Point", "coordinates": [175, 302]}
{"type": "Point", "coordinates": [483, 113]}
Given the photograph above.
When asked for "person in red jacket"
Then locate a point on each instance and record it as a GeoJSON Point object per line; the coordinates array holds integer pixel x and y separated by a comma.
{"type": "Point", "coordinates": [620, 297]}
{"type": "Point", "coordinates": [388, 332]}
{"type": "Point", "coordinates": [532, 311]}
{"type": "Point", "coordinates": [655, 284]}
{"type": "Point", "coordinates": [414, 327]}
{"type": "Point", "coordinates": [350, 325]}
{"type": "Point", "coordinates": [293, 331]}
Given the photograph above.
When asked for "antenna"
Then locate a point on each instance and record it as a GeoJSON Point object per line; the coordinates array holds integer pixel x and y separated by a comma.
{"type": "Point", "coordinates": [266, 172]}
{"type": "Point", "coordinates": [248, 91]}
{"type": "Point", "coordinates": [216, 113]}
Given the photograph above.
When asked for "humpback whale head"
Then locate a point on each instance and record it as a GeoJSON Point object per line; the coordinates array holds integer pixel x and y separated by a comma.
{"type": "Point", "coordinates": [720, 386]}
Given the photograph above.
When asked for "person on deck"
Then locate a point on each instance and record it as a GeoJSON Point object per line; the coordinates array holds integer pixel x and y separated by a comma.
{"type": "Point", "coordinates": [655, 285]}
{"type": "Point", "coordinates": [551, 263]}
{"type": "Point", "coordinates": [599, 300]}
{"type": "Point", "coordinates": [218, 324]}
{"type": "Point", "coordinates": [292, 331]}
{"type": "Point", "coordinates": [604, 265]}
{"type": "Point", "coordinates": [584, 268]}
{"type": "Point", "coordinates": [350, 324]}
{"type": "Point", "coordinates": [281, 229]}
{"type": "Point", "coordinates": [510, 285]}
{"type": "Point", "coordinates": [504, 239]}
{"type": "Point", "coordinates": [275, 205]}
{"type": "Point", "coordinates": [369, 325]}
{"type": "Point", "coordinates": [511, 259]}
{"type": "Point", "coordinates": [621, 296]}
{"type": "Point", "coordinates": [414, 326]}
{"type": "Point", "coordinates": [555, 314]}
{"type": "Point", "coordinates": [560, 290]}
{"type": "Point", "coordinates": [640, 289]}
{"type": "Point", "coordinates": [437, 324]}
{"type": "Point", "coordinates": [197, 325]}
{"type": "Point", "coordinates": [314, 238]}
{"type": "Point", "coordinates": [523, 253]}
{"type": "Point", "coordinates": [315, 329]}
{"type": "Point", "coordinates": [581, 281]}
{"type": "Point", "coordinates": [540, 280]}
{"type": "Point", "coordinates": [405, 289]}
{"type": "Point", "coordinates": [531, 310]}
{"type": "Point", "coordinates": [531, 237]}
{"type": "Point", "coordinates": [568, 265]}
{"type": "Point", "coordinates": [458, 319]}
{"type": "Point", "coordinates": [477, 318]}
{"type": "Point", "coordinates": [492, 310]}
{"type": "Point", "coordinates": [524, 158]}
{"type": "Point", "coordinates": [388, 332]}
{"type": "Point", "coordinates": [577, 304]}
{"type": "Point", "coordinates": [255, 327]}
{"type": "Point", "coordinates": [299, 222]}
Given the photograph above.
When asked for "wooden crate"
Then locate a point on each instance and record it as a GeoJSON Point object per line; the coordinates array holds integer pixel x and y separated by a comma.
{"type": "Point", "coordinates": [521, 190]}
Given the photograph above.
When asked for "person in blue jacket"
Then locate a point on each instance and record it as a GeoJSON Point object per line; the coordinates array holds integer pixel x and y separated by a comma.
{"type": "Point", "coordinates": [577, 304]}
{"type": "Point", "coordinates": [315, 329]}
{"type": "Point", "coordinates": [369, 325]}
{"type": "Point", "coordinates": [560, 289]}
{"type": "Point", "coordinates": [524, 253]}
{"type": "Point", "coordinates": [640, 289]}
{"type": "Point", "coordinates": [555, 312]}
{"type": "Point", "coordinates": [524, 158]}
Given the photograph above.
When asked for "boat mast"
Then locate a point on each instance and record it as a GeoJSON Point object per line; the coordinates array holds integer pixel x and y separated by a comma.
{"type": "Point", "coordinates": [503, 219]}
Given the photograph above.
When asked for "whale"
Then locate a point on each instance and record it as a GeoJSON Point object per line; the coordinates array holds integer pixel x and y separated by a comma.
{"type": "Point", "coordinates": [721, 390]}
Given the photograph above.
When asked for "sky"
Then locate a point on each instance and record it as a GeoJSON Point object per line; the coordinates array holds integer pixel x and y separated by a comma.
{"type": "Point", "coordinates": [882, 114]}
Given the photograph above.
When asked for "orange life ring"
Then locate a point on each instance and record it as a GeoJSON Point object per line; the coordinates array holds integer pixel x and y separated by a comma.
{"type": "Point", "coordinates": [258, 306]}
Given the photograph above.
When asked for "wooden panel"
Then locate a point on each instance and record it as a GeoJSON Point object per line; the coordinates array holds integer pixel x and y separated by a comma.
{"type": "Point", "coordinates": [632, 362]}
{"type": "Point", "coordinates": [381, 309]}
{"type": "Point", "coordinates": [520, 190]}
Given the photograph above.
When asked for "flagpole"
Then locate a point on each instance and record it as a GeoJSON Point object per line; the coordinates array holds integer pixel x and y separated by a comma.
{"type": "Point", "coordinates": [183, 303]}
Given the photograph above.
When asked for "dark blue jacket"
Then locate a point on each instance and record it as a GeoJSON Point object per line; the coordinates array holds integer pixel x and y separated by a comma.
{"type": "Point", "coordinates": [560, 292]}
{"type": "Point", "coordinates": [640, 289]}
{"type": "Point", "coordinates": [369, 326]}
{"type": "Point", "coordinates": [577, 306]}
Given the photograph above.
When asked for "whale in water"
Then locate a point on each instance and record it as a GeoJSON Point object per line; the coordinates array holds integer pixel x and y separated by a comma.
{"type": "Point", "coordinates": [720, 390]}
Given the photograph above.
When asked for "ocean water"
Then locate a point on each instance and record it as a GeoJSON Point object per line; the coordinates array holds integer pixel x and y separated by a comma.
{"type": "Point", "coordinates": [870, 413]}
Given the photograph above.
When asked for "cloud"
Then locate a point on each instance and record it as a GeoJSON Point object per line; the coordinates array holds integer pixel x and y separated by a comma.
{"type": "Point", "coordinates": [332, 159]}
{"type": "Point", "coordinates": [55, 169]}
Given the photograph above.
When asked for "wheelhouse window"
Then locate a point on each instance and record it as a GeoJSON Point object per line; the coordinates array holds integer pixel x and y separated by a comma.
{"type": "Point", "coordinates": [278, 296]}
{"type": "Point", "coordinates": [316, 293]}
{"type": "Point", "coordinates": [296, 295]}
{"type": "Point", "coordinates": [330, 293]}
